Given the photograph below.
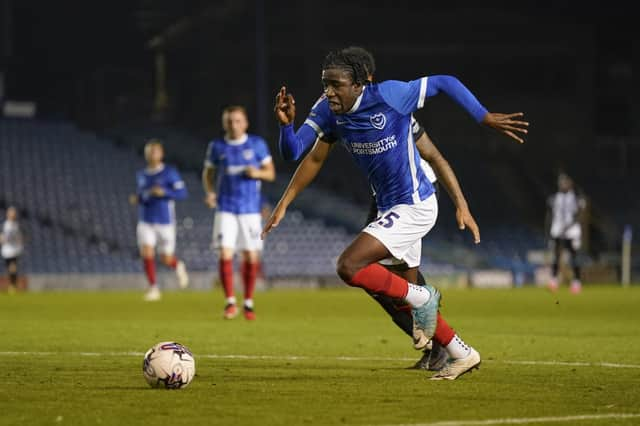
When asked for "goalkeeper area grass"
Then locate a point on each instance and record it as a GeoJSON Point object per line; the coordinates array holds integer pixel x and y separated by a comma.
{"type": "Point", "coordinates": [325, 357]}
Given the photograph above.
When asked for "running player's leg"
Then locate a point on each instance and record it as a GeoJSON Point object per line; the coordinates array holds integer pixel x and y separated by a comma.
{"type": "Point", "coordinates": [12, 271]}
{"type": "Point", "coordinates": [401, 317]}
{"type": "Point", "coordinates": [251, 244]}
{"type": "Point", "coordinates": [462, 357]}
{"type": "Point", "coordinates": [394, 233]}
{"type": "Point", "coordinates": [147, 239]}
{"type": "Point", "coordinates": [399, 309]}
{"type": "Point", "coordinates": [249, 272]}
{"type": "Point", "coordinates": [434, 356]}
{"type": "Point", "coordinates": [225, 234]}
{"type": "Point", "coordinates": [555, 265]}
{"type": "Point", "coordinates": [375, 278]}
{"type": "Point", "coordinates": [397, 235]}
{"type": "Point", "coordinates": [166, 249]}
{"type": "Point", "coordinates": [576, 284]}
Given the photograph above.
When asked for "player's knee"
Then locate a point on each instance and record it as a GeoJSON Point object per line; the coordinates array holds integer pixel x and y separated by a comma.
{"type": "Point", "coordinates": [346, 268]}
{"type": "Point", "coordinates": [147, 252]}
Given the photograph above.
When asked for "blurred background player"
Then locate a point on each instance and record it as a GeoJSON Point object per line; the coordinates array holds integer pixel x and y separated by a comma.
{"type": "Point", "coordinates": [241, 162]}
{"type": "Point", "coordinates": [12, 246]}
{"type": "Point", "coordinates": [159, 185]}
{"type": "Point", "coordinates": [565, 209]}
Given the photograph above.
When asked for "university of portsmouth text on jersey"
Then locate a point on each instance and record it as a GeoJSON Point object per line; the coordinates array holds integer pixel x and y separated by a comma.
{"type": "Point", "coordinates": [373, 148]}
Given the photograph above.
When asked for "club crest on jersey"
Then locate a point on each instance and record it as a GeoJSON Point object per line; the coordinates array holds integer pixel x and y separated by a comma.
{"type": "Point", "coordinates": [247, 154]}
{"type": "Point", "coordinates": [378, 120]}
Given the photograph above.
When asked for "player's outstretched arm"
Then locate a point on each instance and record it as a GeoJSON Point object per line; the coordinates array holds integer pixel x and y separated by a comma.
{"type": "Point", "coordinates": [305, 173]}
{"type": "Point", "coordinates": [429, 152]}
{"type": "Point", "coordinates": [507, 124]}
{"type": "Point", "coordinates": [291, 144]}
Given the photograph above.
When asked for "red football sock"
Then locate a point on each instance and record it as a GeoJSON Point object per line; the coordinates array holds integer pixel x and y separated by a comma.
{"type": "Point", "coordinates": [377, 279]}
{"type": "Point", "coordinates": [172, 263]}
{"type": "Point", "coordinates": [150, 270]}
{"type": "Point", "coordinates": [249, 273]}
{"type": "Point", "coordinates": [444, 333]}
{"type": "Point", "coordinates": [226, 276]}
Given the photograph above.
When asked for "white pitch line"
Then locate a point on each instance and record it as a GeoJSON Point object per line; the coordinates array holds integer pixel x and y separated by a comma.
{"type": "Point", "coordinates": [573, 364]}
{"type": "Point", "coordinates": [527, 420]}
{"type": "Point", "coordinates": [307, 358]}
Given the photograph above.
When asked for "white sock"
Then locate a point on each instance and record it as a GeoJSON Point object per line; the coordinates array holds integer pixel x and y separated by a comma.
{"type": "Point", "coordinates": [417, 295]}
{"type": "Point", "coordinates": [457, 348]}
{"type": "Point", "coordinates": [248, 303]}
{"type": "Point", "coordinates": [231, 300]}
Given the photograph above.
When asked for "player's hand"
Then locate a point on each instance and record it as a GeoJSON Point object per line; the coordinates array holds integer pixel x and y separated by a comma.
{"type": "Point", "coordinates": [276, 216]}
{"type": "Point", "coordinates": [508, 124]}
{"type": "Point", "coordinates": [251, 172]}
{"type": "Point", "coordinates": [211, 200]}
{"type": "Point", "coordinates": [465, 220]}
{"type": "Point", "coordinates": [285, 107]}
{"type": "Point", "coordinates": [133, 199]}
{"type": "Point", "coordinates": [157, 191]}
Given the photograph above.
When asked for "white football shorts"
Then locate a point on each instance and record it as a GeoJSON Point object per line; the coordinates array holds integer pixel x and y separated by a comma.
{"type": "Point", "coordinates": [574, 233]}
{"type": "Point", "coordinates": [160, 236]}
{"type": "Point", "coordinates": [237, 231]}
{"type": "Point", "coordinates": [401, 229]}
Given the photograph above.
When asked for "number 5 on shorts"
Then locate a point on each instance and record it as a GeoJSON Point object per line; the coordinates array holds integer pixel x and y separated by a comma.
{"type": "Point", "coordinates": [389, 217]}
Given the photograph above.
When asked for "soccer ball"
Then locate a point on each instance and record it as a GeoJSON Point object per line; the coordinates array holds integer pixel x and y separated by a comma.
{"type": "Point", "coordinates": [168, 365]}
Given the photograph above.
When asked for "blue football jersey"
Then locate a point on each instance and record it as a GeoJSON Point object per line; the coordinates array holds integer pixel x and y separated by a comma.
{"type": "Point", "coordinates": [154, 209]}
{"type": "Point", "coordinates": [238, 193]}
{"type": "Point", "coordinates": [377, 132]}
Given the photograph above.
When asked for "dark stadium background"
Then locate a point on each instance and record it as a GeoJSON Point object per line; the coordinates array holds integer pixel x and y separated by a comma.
{"type": "Point", "coordinates": [567, 65]}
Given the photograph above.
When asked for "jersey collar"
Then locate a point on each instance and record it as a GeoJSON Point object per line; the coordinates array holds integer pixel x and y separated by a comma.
{"type": "Point", "coordinates": [358, 101]}
{"type": "Point", "coordinates": [153, 171]}
{"type": "Point", "coordinates": [242, 139]}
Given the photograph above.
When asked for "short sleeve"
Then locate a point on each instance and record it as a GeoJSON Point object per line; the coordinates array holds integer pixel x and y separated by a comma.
{"type": "Point", "coordinates": [321, 120]}
{"type": "Point", "coordinates": [175, 180]}
{"type": "Point", "coordinates": [404, 97]}
{"type": "Point", "coordinates": [262, 151]}
{"type": "Point", "coordinates": [210, 159]}
{"type": "Point", "coordinates": [140, 180]}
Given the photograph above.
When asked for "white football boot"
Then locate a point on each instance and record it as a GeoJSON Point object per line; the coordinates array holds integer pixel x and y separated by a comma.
{"type": "Point", "coordinates": [457, 367]}
{"type": "Point", "coordinates": [153, 294]}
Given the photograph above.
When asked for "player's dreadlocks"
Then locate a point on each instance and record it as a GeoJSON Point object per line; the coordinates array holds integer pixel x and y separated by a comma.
{"type": "Point", "coordinates": [351, 61]}
{"type": "Point", "coordinates": [364, 56]}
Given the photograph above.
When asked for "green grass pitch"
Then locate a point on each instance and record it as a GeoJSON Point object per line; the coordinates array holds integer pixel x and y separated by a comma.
{"type": "Point", "coordinates": [325, 357]}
